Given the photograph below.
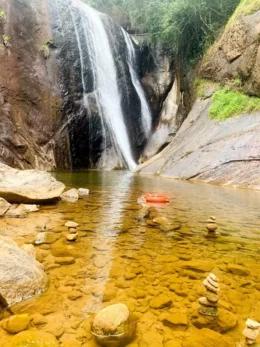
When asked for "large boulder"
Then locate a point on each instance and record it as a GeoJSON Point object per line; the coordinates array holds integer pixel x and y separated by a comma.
{"type": "Point", "coordinates": [21, 275]}
{"type": "Point", "coordinates": [29, 186]}
{"type": "Point", "coordinates": [114, 326]}
{"type": "Point", "coordinates": [209, 151]}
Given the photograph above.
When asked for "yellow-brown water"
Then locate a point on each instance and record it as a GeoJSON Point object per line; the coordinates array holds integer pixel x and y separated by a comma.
{"type": "Point", "coordinates": [121, 259]}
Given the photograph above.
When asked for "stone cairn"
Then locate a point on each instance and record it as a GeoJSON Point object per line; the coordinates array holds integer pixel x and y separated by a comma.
{"type": "Point", "coordinates": [72, 231]}
{"type": "Point", "coordinates": [209, 303]}
{"type": "Point", "coordinates": [212, 227]}
{"type": "Point", "coordinates": [251, 332]}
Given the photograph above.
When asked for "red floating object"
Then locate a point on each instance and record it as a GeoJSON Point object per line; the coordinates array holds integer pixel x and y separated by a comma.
{"type": "Point", "coordinates": [157, 198]}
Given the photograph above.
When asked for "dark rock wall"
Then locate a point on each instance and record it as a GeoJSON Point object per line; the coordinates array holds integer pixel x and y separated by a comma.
{"type": "Point", "coordinates": [84, 123]}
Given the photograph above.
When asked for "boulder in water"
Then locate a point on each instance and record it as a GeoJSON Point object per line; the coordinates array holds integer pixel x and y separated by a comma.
{"type": "Point", "coordinates": [21, 275]}
{"type": "Point", "coordinates": [114, 326]}
{"type": "Point", "coordinates": [71, 195]}
{"type": "Point", "coordinates": [28, 186]}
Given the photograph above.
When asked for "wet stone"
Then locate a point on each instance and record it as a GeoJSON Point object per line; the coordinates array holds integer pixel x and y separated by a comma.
{"type": "Point", "coordinates": [46, 238]}
{"type": "Point", "coordinates": [161, 301]}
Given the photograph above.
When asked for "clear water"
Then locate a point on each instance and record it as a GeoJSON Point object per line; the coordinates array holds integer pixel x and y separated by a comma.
{"type": "Point", "coordinates": [121, 259]}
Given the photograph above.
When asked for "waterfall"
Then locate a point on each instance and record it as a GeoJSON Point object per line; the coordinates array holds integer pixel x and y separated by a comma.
{"type": "Point", "coordinates": [145, 110]}
{"type": "Point", "coordinates": [105, 78]}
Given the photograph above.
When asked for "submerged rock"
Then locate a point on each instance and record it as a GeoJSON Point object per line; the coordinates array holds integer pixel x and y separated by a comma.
{"type": "Point", "coordinates": [71, 195]}
{"type": "Point", "coordinates": [16, 324]}
{"type": "Point", "coordinates": [46, 238]}
{"type": "Point", "coordinates": [206, 338]}
{"type": "Point", "coordinates": [114, 326]}
{"type": "Point", "coordinates": [83, 192]}
{"type": "Point", "coordinates": [34, 339]}
{"type": "Point", "coordinates": [28, 186]}
{"type": "Point", "coordinates": [21, 275]}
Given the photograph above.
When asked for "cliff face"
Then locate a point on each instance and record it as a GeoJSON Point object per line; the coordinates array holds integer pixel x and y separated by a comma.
{"type": "Point", "coordinates": [236, 55]}
{"type": "Point", "coordinates": [226, 152]}
{"type": "Point", "coordinates": [29, 98]}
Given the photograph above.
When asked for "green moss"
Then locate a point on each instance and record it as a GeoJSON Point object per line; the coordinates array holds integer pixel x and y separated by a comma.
{"type": "Point", "coordinates": [227, 103]}
{"type": "Point", "coordinates": [246, 7]}
{"type": "Point", "coordinates": [201, 84]}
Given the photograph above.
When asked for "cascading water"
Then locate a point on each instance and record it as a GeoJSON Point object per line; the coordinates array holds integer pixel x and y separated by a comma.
{"type": "Point", "coordinates": [131, 59]}
{"type": "Point", "coordinates": [109, 99]}
{"type": "Point", "coordinates": [105, 110]}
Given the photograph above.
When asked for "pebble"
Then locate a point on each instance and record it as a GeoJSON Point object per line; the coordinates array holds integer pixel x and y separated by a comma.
{"type": "Point", "coordinates": [64, 260]}
{"type": "Point", "coordinates": [210, 287]}
{"type": "Point", "coordinates": [213, 283]}
{"type": "Point", "coordinates": [251, 334]}
{"type": "Point", "coordinates": [72, 230]}
{"type": "Point", "coordinates": [213, 277]}
{"type": "Point", "coordinates": [252, 324]}
{"type": "Point", "coordinates": [71, 224]}
{"type": "Point", "coordinates": [72, 237]}
{"type": "Point", "coordinates": [212, 297]}
{"type": "Point", "coordinates": [205, 302]}
{"type": "Point", "coordinates": [212, 227]}
{"type": "Point", "coordinates": [16, 323]}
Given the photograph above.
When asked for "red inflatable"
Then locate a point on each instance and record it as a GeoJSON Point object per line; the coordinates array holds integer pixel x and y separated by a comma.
{"type": "Point", "coordinates": [156, 198]}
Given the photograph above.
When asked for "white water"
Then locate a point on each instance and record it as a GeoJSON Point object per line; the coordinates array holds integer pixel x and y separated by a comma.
{"type": "Point", "coordinates": [145, 110]}
{"type": "Point", "coordinates": [105, 78]}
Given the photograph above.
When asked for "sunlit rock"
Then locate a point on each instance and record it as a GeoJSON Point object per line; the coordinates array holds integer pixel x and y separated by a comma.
{"type": "Point", "coordinates": [16, 324]}
{"type": "Point", "coordinates": [21, 275]}
{"type": "Point", "coordinates": [71, 195]}
{"type": "Point", "coordinates": [34, 338]}
{"type": "Point", "coordinates": [28, 186]}
{"type": "Point", "coordinates": [114, 326]}
{"type": "Point", "coordinates": [4, 207]}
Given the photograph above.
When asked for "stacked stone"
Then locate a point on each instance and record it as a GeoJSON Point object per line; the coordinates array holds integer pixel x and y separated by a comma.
{"type": "Point", "coordinates": [212, 227]}
{"type": "Point", "coordinates": [251, 332]}
{"type": "Point", "coordinates": [209, 303]}
{"type": "Point", "coordinates": [72, 231]}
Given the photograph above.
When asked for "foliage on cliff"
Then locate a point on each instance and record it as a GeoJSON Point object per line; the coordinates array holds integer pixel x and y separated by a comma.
{"type": "Point", "coordinates": [187, 26]}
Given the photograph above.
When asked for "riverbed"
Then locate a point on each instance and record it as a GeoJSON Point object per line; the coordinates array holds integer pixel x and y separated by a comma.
{"type": "Point", "coordinates": [119, 258]}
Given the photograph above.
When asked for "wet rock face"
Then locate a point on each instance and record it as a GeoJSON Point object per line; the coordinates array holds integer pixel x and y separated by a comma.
{"type": "Point", "coordinates": [21, 275]}
{"type": "Point", "coordinates": [29, 99]}
{"type": "Point", "coordinates": [207, 151]}
{"type": "Point", "coordinates": [236, 54]}
{"type": "Point", "coordinates": [158, 76]}
{"type": "Point", "coordinates": [81, 111]}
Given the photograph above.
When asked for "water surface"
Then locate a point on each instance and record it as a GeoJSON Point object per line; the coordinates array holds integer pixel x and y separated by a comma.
{"type": "Point", "coordinates": [121, 259]}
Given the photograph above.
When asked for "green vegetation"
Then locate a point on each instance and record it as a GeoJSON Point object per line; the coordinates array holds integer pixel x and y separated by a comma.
{"type": "Point", "coordinates": [200, 86]}
{"type": "Point", "coordinates": [2, 14]}
{"type": "Point", "coordinates": [186, 26]}
{"type": "Point", "coordinates": [45, 50]}
{"type": "Point", "coordinates": [228, 103]}
{"type": "Point", "coordinates": [6, 41]}
{"type": "Point", "coordinates": [247, 7]}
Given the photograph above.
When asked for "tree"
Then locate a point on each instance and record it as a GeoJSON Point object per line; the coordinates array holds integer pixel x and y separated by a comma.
{"type": "Point", "coordinates": [186, 26]}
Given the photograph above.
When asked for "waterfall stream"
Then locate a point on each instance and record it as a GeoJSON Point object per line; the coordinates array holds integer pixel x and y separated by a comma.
{"type": "Point", "coordinates": [104, 105]}
{"type": "Point", "coordinates": [145, 110]}
{"type": "Point", "coordinates": [105, 78]}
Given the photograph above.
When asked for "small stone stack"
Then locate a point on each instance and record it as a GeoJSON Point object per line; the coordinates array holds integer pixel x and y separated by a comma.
{"type": "Point", "coordinates": [209, 303]}
{"type": "Point", "coordinates": [212, 227]}
{"type": "Point", "coordinates": [72, 231]}
{"type": "Point", "coordinates": [251, 332]}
